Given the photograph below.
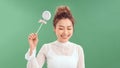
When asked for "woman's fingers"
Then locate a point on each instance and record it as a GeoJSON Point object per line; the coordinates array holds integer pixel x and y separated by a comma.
{"type": "Point", "coordinates": [36, 36]}
{"type": "Point", "coordinates": [29, 37]}
{"type": "Point", "coordinates": [32, 36]}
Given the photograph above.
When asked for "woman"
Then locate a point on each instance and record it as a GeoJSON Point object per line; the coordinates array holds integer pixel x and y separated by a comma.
{"type": "Point", "coordinates": [61, 53]}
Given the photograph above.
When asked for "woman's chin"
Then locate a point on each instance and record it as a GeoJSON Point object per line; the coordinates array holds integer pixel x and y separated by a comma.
{"type": "Point", "coordinates": [64, 40]}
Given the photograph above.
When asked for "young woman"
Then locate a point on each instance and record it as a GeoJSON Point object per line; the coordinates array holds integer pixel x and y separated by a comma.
{"type": "Point", "coordinates": [61, 53]}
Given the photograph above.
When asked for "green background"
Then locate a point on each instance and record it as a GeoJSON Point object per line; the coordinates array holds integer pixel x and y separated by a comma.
{"type": "Point", "coordinates": [97, 30]}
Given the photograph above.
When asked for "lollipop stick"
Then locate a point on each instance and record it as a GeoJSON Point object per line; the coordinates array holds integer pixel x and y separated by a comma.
{"type": "Point", "coordinates": [39, 28]}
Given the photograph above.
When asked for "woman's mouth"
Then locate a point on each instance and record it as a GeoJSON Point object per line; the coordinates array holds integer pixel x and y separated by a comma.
{"type": "Point", "coordinates": [65, 36]}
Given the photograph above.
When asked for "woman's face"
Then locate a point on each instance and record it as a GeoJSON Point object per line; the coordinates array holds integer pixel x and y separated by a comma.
{"type": "Point", "coordinates": [64, 30]}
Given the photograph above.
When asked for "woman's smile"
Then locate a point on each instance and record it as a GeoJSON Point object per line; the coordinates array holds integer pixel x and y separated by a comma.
{"type": "Point", "coordinates": [65, 36]}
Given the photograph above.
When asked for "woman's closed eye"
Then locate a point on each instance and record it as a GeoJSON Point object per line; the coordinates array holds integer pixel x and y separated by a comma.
{"type": "Point", "coordinates": [60, 28]}
{"type": "Point", "coordinates": [69, 28]}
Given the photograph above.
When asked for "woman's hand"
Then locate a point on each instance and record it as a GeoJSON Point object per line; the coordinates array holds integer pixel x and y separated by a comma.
{"type": "Point", "coordinates": [33, 40]}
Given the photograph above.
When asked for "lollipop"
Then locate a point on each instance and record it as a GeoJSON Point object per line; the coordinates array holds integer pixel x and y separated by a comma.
{"type": "Point", "coordinates": [46, 15]}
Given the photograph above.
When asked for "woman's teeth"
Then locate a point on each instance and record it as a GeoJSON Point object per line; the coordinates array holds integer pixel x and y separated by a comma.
{"type": "Point", "coordinates": [64, 36]}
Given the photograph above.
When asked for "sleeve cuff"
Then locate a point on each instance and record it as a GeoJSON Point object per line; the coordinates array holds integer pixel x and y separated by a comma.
{"type": "Point", "coordinates": [27, 55]}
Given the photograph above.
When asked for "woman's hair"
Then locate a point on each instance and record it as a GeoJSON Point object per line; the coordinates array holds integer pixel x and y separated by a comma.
{"type": "Point", "coordinates": [62, 12]}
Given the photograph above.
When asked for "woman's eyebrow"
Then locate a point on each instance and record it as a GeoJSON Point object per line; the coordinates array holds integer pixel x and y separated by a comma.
{"type": "Point", "coordinates": [69, 26]}
{"type": "Point", "coordinates": [64, 26]}
{"type": "Point", "coordinates": [61, 26]}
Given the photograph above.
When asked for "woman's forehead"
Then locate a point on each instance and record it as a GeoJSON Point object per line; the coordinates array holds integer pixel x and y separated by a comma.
{"type": "Point", "coordinates": [64, 22]}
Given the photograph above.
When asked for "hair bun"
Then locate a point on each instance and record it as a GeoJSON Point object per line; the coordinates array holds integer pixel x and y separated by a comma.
{"type": "Point", "coordinates": [63, 10]}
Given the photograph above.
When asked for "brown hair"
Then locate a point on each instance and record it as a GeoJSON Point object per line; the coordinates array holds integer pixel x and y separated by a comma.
{"type": "Point", "coordinates": [62, 12]}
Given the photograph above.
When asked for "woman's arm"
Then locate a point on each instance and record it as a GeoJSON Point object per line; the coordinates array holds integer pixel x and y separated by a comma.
{"type": "Point", "coordinates": [36, 62]}
{"type": "Point", "coordinates": [81, 61]}
{"type": "Point", "coordinates": [33, 61]}
{"type": "Point", "coordinates": [41, 57]}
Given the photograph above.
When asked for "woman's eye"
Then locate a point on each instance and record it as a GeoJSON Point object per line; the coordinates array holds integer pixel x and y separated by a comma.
{"type": "Point", "coordinates": [69, 28]}
{"type": "Point", "coordinates": [60, 28]}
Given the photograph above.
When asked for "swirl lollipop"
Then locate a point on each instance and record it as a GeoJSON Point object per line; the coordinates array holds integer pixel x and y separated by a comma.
{"type": "Point", "coordinates": [46, 15]}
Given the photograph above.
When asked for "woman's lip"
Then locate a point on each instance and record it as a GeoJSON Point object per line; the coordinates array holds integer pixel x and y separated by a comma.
{"type": "Point", "coordinates": [64, 36]}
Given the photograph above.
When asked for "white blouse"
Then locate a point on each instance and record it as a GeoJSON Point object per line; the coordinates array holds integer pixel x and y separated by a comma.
{"type": "Point", "coordinates": [58, 55]}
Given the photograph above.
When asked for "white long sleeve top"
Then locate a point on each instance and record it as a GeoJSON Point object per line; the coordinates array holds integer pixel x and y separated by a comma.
{"type": "Point", "coordinates": [58, 55]}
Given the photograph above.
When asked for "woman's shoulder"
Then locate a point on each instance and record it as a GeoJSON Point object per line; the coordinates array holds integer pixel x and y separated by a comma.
{"type": "Point", "coordinates": [45, 47]}
{"type": "Point", "coordinates": [48, 44]}
{"type": "Point", "coordinates": [78, 46]}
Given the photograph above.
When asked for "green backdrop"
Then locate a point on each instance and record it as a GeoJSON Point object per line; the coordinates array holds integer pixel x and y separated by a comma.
{"type": "Point", "coordinates": [97, 30]}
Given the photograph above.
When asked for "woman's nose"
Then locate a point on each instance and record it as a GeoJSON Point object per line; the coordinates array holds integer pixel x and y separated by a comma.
{"type": "Point", "coordinates": [65, 31]}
